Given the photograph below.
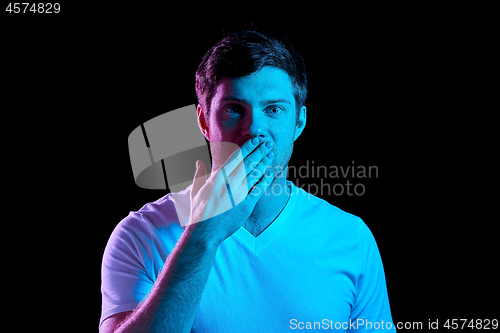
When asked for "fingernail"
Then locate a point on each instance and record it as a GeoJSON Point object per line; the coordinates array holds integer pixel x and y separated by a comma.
{"type": "Point", "coordinates": [269, 145]}
{"type": "Point", "coordinates": [255, 141]}
{"type": "Point", "coordinates": [270, 154]}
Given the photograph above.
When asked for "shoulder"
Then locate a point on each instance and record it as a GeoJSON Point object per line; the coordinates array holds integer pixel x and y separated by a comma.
{"type": "Point", "coordinates": [143, 226]}
{"type": "Point", "coordinates": [315, 218]}
{"type": "Point", "coordinates": [325, 213]}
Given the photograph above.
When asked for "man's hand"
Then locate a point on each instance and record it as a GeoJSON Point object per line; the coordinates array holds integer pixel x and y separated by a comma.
{"type": "Point", "coordinates": [225, 200]}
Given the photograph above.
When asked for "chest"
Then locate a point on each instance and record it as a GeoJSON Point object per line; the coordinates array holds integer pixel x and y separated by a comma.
{"type": "Point", "coordinates": [267, 294]}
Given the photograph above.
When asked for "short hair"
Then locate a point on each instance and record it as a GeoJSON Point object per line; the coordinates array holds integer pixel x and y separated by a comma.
{"type": "Point", "coordinates": [243, 53]}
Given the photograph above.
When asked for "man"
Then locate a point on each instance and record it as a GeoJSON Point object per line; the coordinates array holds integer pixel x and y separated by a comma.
{"type": "Point", "coordinates": [257, 254]}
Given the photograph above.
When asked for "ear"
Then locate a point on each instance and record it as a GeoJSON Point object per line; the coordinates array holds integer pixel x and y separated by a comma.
{"type": "Point", "coordinates": [301, 122]}
{"type": "Point", "coordinates": [202, 122]}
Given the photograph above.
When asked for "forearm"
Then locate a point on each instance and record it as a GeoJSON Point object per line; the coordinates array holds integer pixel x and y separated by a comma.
{"type": "Point", "coordinates": [174, 298]}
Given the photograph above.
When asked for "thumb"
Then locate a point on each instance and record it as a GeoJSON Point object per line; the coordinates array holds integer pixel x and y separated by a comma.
{"type": "Point", "coordinates": [200, 178]}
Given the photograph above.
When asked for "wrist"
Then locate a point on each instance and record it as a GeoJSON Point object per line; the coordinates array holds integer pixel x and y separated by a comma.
{"type": "Point", "coordinates": [200, 238]}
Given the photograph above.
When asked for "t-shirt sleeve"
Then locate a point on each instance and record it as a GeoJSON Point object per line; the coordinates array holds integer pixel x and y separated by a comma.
{"type": "Point", "coordinates": [371, 310]}
{"type": "Point", "coordinates": [125, 277]}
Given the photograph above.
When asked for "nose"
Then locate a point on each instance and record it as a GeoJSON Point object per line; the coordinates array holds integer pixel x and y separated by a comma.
{"type": "Point", "coordinates": [254, 126]}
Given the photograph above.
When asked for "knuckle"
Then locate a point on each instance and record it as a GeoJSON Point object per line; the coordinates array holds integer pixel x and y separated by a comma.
{"type": "Point", "coordinates": [247, 148]}
{"type": "Point", "coordinates": [248, 163]}
{"type": "Point", "coordinates": [253, 165]}
{"type": "Point", "coordinates": [235, 158]}
{"type": "Point", "coordinates": [255, 173]}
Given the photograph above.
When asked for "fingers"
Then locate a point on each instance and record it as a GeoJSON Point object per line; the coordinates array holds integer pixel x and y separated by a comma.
{"type": "Point", "coordinates": [260, 187]}
{"type": "Point", "coordinates": [253, 165]}
{"type": "Point", "coordinates": [250, 171]}
{"type": "Point", "coordinates": [255, 172]}
{"type": "Point", "coordinates": [246, 166]}
{"type": "Point", "coordinates": [239, 155]}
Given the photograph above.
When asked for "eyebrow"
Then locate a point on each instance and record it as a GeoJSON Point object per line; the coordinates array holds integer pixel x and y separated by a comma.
{"type": "Point", "coordinates": [232, 98]}
{"type": "Point", "coordinates": [266, 102]}
{"type": "Point", "coordinates": [273, 101]}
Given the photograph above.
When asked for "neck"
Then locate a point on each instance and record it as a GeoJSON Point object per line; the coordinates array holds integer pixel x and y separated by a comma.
{"type": "Point", "coordinates": [269, 206]}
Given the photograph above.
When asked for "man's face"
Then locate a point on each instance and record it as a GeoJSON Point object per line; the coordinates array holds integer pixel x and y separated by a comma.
{"type": "Point", "coordinates": [259, 105]}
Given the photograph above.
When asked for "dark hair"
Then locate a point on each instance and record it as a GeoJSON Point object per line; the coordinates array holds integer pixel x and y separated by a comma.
{"type": "Point", "coordinates": [243, 53]}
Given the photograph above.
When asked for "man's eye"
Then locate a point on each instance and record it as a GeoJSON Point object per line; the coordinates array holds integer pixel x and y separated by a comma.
{"type": "Point", "coordinates": [274, 110]}
{"type": "Point", "coordinates": [234, 109]}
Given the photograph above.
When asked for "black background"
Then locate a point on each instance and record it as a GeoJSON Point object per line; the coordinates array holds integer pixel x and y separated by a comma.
{"type": "Point", "coordinates": [403, 89]}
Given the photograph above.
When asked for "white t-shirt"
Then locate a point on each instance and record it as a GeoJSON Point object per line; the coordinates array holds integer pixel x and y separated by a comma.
{"type": "Point", "coordinates": [315, 266]}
